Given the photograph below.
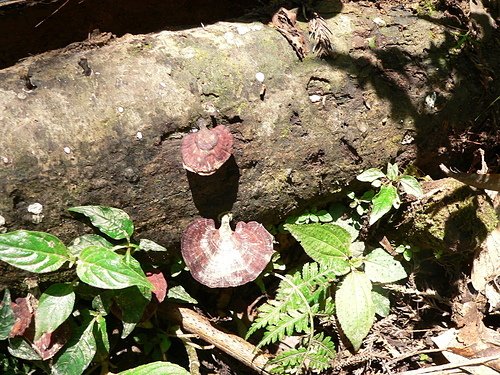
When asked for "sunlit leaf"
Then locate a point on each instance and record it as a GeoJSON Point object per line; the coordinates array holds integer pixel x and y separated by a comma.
{"type": "Point", "coordinates": [111, 221]}
{"type": "Point", "coordinates": [381, 267]}
{"type": "Point", "coordinates": [325, 243]}
{"type": "Point", "coordinates": [392, 171]}
{"type": "Point", "coordinates": [179, 294]}
{"type": "Point", "coordinates": [80, 243]}
{"type": "Point", "coordinates": [7, 318]}
{"type": "Point", "coordinates": [20, 348]}
{"type": "Point", "coordinates": [148, 245]}
{"type": "Point", "coordinates": [411, 186]}
{"type": "Point", "coordinates": [76, 357]}
{"type": "Point", "coordinates": [156, 368]}
{"type": "Point", "coordinates": [102, 340]}
{"type": "Point", "coordinates": [159, 282]}
{"type": "Point", "coordinates": [33, 251]}
{"type": "Point", "coordinates": [355, 309]}
{"type": "Point", "coordinates": [381, 301]}
{"type": "Point", "coordinates": [99, 267]}
{"type": "Point", "coordinates": [54, 307]}
{"type": "Point", "coordinates": [382, 202]}
{"type": "Point", "coordinates": [370, 175]}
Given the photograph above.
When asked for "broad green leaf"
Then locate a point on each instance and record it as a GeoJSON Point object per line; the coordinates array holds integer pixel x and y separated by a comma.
{"type": "Point", "coordinates": [99, 267]}
{"type": "Point", "coordinates": [381, 301]}
{"type": "Point", "coordinates": [370, 175]}
{"type": "Point", "coordinates": [136, 266]}
{"type": "Point", "coordinates": [392, 171]}
{"type": "Point", "coordinates": [411, 186]}
{"type": "Point", "coordinates": [156, 368]}
{"type": "Point", "coordinates": [33, 251]}
{"type": "Point", "coordinates": [381, 267]}
{"type": "Point", "coordinates": [148, 245]}
{"type": "Point", "coordinates": [78, 354]}
{"type": "Point", "coordinates": [382, 202]}
{"type": "Point", "coordinates": [54, 307]}
{"type": "Point", "coordinates": [178, 293]}
{"type": "Point", "coordinates": [355, 309]}
{"type": "Point", "coordinates": [111, 221]}
{"type": "Point", "coordinates": [102, 340]}
{"type": "Point", "coordinates": [7, 317]}
{"type": "Point", "coordinates": [80, 243]}
{"type": "Point", "coordinates": [20, 348]}
{"type": "Point", "coordinates": [131, 303]}
{"type": "Point", "coordinates": [325, 243]}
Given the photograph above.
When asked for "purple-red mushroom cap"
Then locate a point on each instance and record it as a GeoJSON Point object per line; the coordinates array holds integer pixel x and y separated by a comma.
{"type": "Point", "coordinates": [220, 258]}
{"type": "Point", "coordinates": [206, 150]}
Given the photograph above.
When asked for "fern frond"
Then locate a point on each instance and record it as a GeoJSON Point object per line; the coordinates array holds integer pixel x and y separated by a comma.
{"type": "Point", "coordinates": [317, 357]}
{"type": "Point", "coordinates": [313, 282]}
{"type": "Point", "coordinates": [320, 353]}
{"type": "Point", "coordinates": [288, 362]}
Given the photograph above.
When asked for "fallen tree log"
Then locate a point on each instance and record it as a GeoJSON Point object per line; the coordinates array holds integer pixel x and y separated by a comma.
{"type": "Point", "coordinates": [88, 125]}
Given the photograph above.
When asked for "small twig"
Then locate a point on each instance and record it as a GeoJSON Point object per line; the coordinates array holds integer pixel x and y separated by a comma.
{"type": "Point", "coordinates": [233, 345]}
{"type": "Point", "coordinates": [449, 366]}
{"type": "Point", "coordinates": [404, 356]}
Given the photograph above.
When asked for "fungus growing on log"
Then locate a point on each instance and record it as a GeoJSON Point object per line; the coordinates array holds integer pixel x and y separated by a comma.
{"type": "Point", "coordinates": [220, 258]}
{"type": "Point", "coordinates": [204, 151]}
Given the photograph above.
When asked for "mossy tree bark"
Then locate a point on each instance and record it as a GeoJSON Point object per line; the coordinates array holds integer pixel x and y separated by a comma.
{"type": "Point", "coordinates": [113, 137]}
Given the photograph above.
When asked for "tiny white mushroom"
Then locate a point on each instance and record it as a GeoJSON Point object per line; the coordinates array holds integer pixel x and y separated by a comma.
{"type": "Point", "coordinates": [35, 208]}
{"type": "Point", "coordinates": [259, 76]}
{"type": "Point", "coordinates": [67, 150]}
{"type": "Point", "coordinates": [120, 109]}
{"type": "Point", "coordinates": [315, 98]}
{"type": "Point", "coordinates": [138, 136]}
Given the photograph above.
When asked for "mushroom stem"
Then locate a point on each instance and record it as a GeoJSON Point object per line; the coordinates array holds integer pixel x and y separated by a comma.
{"type": "Point", "coordinates": [202, 123]}
{"type": "Point", "coordinates": [225, 225]}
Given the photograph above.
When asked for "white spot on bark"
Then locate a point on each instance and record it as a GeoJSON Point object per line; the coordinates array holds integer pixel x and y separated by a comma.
{"type": "Point", "coordinates": [67, 150]}
{"type": "Point", "coordinates": [138, 136]}
{"type": "Point", "coordinates": [120, 109]}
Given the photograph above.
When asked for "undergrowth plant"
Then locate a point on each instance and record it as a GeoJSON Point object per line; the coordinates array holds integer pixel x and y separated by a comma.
{"type": "Point", "coordinates": [64, 330]}
{"type": "Point", "coordinates": [344, 282]}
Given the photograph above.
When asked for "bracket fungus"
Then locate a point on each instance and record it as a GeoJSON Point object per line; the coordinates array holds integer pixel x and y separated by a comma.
{"type": "Point", "coordinates": [220, 258]}
{"type": "Point", "coordinates": [204, 151]}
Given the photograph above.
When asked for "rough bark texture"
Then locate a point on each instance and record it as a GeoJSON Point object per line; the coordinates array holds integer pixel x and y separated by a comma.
{"type": "Point", "coordinates": [73, 140]}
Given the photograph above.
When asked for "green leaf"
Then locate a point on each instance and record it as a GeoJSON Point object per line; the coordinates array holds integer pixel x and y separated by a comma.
{"type": "Point", "coordinates": [382, 202]}
{"type": "Point", "coordinates": [392, 171]}
{"type": "Point", "coordinates": [76, 357]}
{"type": "Point", "coordinates": [355, 309]}
{"type": "Point", "coordinates": [381, 301]}
{"type": "Point", "coordinates": [370, 175]}
{"type": "Point", "coordinates": [132, 303]}
{"type": "Point", "coordinates": [78, 244]}
{"type": "Point", "coordinates": [33, 251]}
{"type": "Point", "coordinates": [54, 307]}
{"type": "Point", "coordinates": [20, 348]}
{"type": "Point", "coordinates": [178, 293]}
{"type": "Point", "coordinates": [381, 267]}
{"type": "Point", "coordinates": [325, 243]}
{"type": "Point", "coordinates": [111, 221]}
{"type": "Point", "coordinates": [148, 245]}
{"type": "Point", "coordinates": [156, 368]}
{"type": "Point", "coordinates": [102, 340]}
{"type": "Point", "coordinates": [411, 186]}
{"type": "Point", "coordinates": [7, 318]}
{"type": "Point", "coordinates": [99, 267]}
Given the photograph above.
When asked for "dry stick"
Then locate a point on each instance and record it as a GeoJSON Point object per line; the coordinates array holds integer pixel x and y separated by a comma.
{"type": "Point", "coordinates": [233, 345]}
{"type": "Point", "coordinates": [449, 366]}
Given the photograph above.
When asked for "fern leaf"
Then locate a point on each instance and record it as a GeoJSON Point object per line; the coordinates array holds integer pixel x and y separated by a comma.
{"type": "Point", "coordinates": [287, 312]}
{"type": "Point", "coordinates": [288, 362]}
{"type": "Point", "coordinates": [320, 353]}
